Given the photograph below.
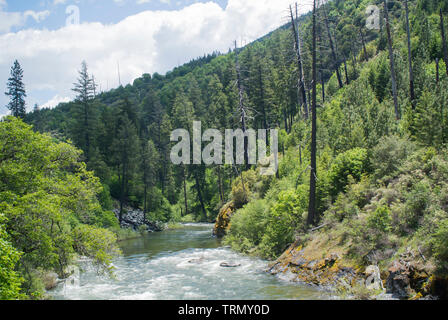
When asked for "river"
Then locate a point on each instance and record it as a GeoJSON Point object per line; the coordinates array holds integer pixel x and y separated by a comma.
{"type": "Point", "coordinates": [182, 264]}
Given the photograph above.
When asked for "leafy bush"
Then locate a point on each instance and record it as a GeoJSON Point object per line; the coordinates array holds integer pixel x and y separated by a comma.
{"type": "Point", "coordinates": [389, 155]}
{"type": "Point", "coordinates": [10, 280]}
{"type": "Point", "coordinates": [380, 219]}
{"type": "Point", "coordinates": [248, 226]}
{"type": "Point", "coordinates": [286, 216]}
{"type": "Point", "coordinates": [96, 243]}
{"type": "Point", "coordinates": [352, 163]}
{"type": "Point", "coordinates": [440, 249]}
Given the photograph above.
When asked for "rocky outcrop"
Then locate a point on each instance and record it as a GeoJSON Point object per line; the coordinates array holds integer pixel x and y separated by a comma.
{"type": "Point", "coordinates": [405, 278]}
{"type": "Point", "coordinates": [327, 272]}
{"type": "Point", "coordinates": [413, 280]}
{"type": "Point", "coordinates": [135, 219]}
{"type": "Point", "coordinates": [222, 224]}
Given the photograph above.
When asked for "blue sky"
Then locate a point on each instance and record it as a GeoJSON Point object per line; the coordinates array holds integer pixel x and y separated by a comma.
{"type": "Point", "coordinates": [104, 11]}
{"type": "Point", "coordinates": [142, 36]}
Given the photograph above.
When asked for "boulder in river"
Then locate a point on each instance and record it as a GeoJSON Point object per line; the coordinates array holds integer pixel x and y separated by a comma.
{"type": "Point", "coordinates": [230, 265]}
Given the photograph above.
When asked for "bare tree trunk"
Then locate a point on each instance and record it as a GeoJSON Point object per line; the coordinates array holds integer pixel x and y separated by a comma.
{"type": "Point", "coordinates": [333, 50]}
{"type": "Point", "coordinates": [323, 86]}
{"type": "Point", "coordinates": [347, 80]}
{"type": "Point", "coordinates": [242, 108]}
{"type": "Point", "coordinates": [201, 200]}
{"type": "Point", "coordinates": [392, 62]}
{"type": "Point", "coordinates": [299, 62]}
{"type": "Point", "coordinates": [262, 101]}
{"type": "Point", "coordinates": [366, 56]}
{"type": "Point", "coordinates": [411, 72]}
{"type": "Point", "coordinates": [221, 192]}
{"type": "Point", "coordinates": [312, 199]}
{"type": "Point", "coordinates": [445, 50]}
{"type": "Point", "coordinates": [185, 190]}
{"type": "Point", "coordinates": [437, 70]}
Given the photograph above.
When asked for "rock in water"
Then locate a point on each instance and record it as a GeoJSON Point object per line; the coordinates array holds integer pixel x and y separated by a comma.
{"type": "Point", "coordinates": [229, 265]}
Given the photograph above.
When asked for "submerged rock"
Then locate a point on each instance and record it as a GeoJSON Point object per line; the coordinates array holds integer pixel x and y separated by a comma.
{"type": "Point", "coordinates": [230, 265]}
{"type": "Point", "coordinates": [200, 260]}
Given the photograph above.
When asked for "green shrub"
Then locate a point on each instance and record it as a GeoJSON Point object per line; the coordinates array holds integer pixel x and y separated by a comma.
{"type": "Point", "coordinates": [248, 226]}
{"type": "Point", "coordinates": [440, 246]}
{"type": "Point", "coordinates": [10, 280]}
{"type": "Point", "coordinates": [388, 156]}
{"type": "Point", "coordinates": [285, 218]}
{"type": "Point", "coordinates": [353, 163]}
{"type": "Point", "coordinates": [380, 219]}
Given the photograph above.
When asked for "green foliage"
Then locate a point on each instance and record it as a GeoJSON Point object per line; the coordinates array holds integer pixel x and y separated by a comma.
{"type": "Point", "coordinates": [388, 156]}
{"type": "Point", "coordinates": [352, 163]}
{"type": "Point", "coordinates": [285, 218]}
{"type": "Point", "coordinates": [10, 280]}
{"type": "Point", "coordinates": [248, 226]}
{"type": "Point", "coordinates": [439, 247]}
{"type": "Point", "coordinates": [45, 194]}
{"type": "Point", "coordinates": [380, 219]}
{"type": "Point", "coordinates": [96, 243]}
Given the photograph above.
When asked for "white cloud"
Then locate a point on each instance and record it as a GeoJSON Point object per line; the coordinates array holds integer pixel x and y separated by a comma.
{"type": "Point", "coordinates": [54, 102]}
{"type": "Point", "coordinates": [151, 41]}
{"type": "Point", "coordinates": [17, 19]}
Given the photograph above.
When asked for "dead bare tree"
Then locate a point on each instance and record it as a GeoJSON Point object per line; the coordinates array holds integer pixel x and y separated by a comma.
{"type": "Point", "coordinates": [312, 199]}
{"type": "Point", "coordinates": [242, 110]}
{"type": "Point", "coordinates": [301, 86]}
{"type": "Point", "coordinates": [442, 31]}
{"type": "Point", "coordinates": [391, 61]}
{"type": "Point", "coordinates": [332, 47]}
{"type": "Point", "coordinates": [411, 72]}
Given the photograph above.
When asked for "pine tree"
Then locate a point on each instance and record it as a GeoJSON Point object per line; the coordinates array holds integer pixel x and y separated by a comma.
{"type": "Point", "coordinates": [84, 117]}
{"type": "Point", "coordinates": [16, 91]}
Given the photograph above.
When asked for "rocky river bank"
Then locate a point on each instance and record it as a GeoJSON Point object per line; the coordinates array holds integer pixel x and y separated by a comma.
{"type": "Point", "coordinates": [325, 265]}
{"type": "Point", "coordinates": [135, 219]}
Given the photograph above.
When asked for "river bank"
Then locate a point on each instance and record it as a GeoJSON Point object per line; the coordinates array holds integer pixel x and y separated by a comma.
{"type": "Point", "coordinates": [323, 260]}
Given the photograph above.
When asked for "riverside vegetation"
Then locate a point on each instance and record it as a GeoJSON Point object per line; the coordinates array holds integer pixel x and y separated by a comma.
{"type": "Point", "coordinates": [381, 163]}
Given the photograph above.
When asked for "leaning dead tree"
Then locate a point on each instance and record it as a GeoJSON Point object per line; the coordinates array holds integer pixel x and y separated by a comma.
{"type": "Point", "coordinates": [332, 47]}
{"type": "Point", "coordinates": [297, 48]}
{"type": "Point", "coordinates": [313, 170]}
{"type": "Point", "coordinates": [391, 61]}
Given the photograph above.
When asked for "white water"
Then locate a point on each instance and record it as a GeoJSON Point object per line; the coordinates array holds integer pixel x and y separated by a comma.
{"type": "Point", "coordinates": [160, 267]}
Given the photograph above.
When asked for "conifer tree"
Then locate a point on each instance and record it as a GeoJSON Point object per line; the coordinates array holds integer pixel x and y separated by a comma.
{"type": "Point", "coordinates": [16, 91]}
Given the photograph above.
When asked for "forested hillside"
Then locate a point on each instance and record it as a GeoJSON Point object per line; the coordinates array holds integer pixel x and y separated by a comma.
{"type": "Point", "coordinates": [363, 125]}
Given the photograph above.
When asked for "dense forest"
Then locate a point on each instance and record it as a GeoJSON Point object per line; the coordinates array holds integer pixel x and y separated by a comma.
{"type": "Point", "coordinates": [363, 121]}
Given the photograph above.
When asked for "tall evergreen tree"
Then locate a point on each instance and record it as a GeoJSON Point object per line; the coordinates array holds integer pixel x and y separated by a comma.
{"type": "Point", "coordinates": [16, 91]}
{"type": "Point", "coordinates": [84, 113]}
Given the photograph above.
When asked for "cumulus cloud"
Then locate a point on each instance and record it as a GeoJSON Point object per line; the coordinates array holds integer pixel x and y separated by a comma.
{"type": "Point", "coordinates": [9, 20]}
{"type": "Point", "coordinates": [55, 101]}
{"type": "Point", "coordinates": [148, 42]}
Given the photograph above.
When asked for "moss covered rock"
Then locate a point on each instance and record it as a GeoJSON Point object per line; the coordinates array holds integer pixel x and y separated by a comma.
{"type": "Point", "coordinates": [222, 224]}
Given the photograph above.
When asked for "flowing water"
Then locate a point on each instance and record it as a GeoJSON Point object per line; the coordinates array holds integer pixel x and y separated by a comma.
{"type": "Point", "coordinates": [182, 264]}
